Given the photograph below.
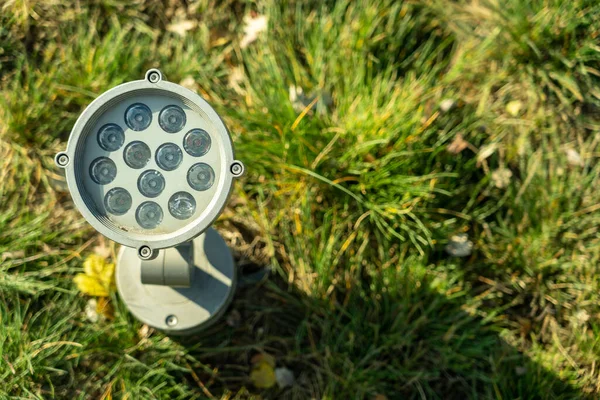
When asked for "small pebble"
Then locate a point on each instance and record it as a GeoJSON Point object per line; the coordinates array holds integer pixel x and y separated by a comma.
{"type": "Point", "coordinates": [90, 311]}
{"type": "Point", "coordinates": [459, 246]}
{"type": "Point", "coordinates": [284, 377]}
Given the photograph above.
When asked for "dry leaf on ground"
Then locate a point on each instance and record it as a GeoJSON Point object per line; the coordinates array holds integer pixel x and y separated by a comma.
{"type": "Point", "coordinates": [262, 374]}
{"type": "Point", "coordinates": [98, 277]}
{"type": "Point", "coordinates": [253, 26]}
{"type": "Point", "coordinates": [457, 145]}
{"type": "Point", "coordinates": [514, 107]}
{"type": "Point", "coordinates": [501, 177]}
{"type": "Point", "coordinates": [182, 27]}
{"type": "Point", "coordinates": [447, 105]}
{"type": "Point", "coordinates": [573, 158]}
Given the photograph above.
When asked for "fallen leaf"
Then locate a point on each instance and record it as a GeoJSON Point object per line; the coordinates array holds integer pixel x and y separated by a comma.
{"type": "Point", "coordinates": [236, 77]}
{"type": "Point", "coordinates": [182, 27]}
{"type": "Point", "coordinates": [485, 152]}
{"type": "Point", "coordinates": [144, 332]}
{"type": "Point", "coordinates": [262, 374]}
{"type": "Point", "coordinates": [514, 107]}
{"type": "Point", "coordinates": [12, 255]}
{"type": "Point", "coordinates": [284, 377]}
{"type": "Point", "coordinates": [457, 145]}
{"type": "Point", "coordinates": [447, 105]}
{"type": "Point", "coordinates": [253, 26]}
{"type": "Point", "coordinates": [89, 285]}
{"type": "Point", "coordinates": [501, 177]}
{"type": "Point", "coordinates": [581, 317]}
{"type": "Point", "coordinates": [98, 276]}
{"type": "Point", "coordinates": [573, 158]}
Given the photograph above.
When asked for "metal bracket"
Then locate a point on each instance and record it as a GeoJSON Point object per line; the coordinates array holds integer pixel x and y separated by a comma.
{"type": "Point", "coordinates": [147, 286]}
{"type": "Point", "coordinates": [171, 267]}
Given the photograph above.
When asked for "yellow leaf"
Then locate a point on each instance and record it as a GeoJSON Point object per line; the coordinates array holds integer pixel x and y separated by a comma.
{"type": "Point", "coordinates": [98, 279]}
{"type": "Point", "coordinates": [107, 276]}
{"type": "Point", "coordinates": [514, 107]}
{"type": "Point", "coordinates": [263, 375]}
{"type": "Point", "coordinates": [93, 264]}
{"type": "Point", "coordinates": [88, 285]}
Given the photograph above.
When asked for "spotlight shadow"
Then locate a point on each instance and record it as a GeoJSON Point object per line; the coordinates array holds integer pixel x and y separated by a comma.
{"type": "Point", "coordinates": [405, 342]}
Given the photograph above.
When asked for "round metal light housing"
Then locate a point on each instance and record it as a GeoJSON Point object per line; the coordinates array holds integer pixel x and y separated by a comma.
{"type": "Point", "coordinates": [150, 164]}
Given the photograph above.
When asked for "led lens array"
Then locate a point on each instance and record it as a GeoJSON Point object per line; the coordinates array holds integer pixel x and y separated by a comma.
{"type": "Point", "coordinates": [151, 182]}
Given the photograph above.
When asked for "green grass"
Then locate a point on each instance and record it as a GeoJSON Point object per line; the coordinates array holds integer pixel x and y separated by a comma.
{"type": "Point", "coordinates": [350, 204]}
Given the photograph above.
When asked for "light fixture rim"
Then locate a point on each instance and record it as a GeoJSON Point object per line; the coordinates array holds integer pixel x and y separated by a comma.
{"type": "Point", "coordinates": [154, 241]}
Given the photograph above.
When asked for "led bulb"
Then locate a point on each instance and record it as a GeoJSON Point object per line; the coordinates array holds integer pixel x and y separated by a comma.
{"type": "Point", "coordinates": [117, 201]}
{"type": "Point", "coordinates": [103, 170]}
{"type": "Point", "coordinates": [172, 119]}
{"type": "Point", "coordinates": [137, 154]}
{"type": "Point", "coordinates": [138, 116]}
{"type": "Point", "coordinates": [169, 156]}
{"type": "Point", "coordinates": [151, 183]}
{"type": "Point", "coordinates": [149, 215]}
{"type": "Point", "coordinates": [111, 137]}
{"type": "Point", "coordinates": [182, 205]}
{"type": "Point", "coordinates": [150, 163]}
{"type": "Point", "coordinates": [201, 176]}
{"type": "Point", "coordinates": [196, 142]}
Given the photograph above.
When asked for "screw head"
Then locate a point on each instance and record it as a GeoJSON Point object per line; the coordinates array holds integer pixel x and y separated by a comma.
{"type": "Point", "coordinates": [171, 320]}
{"type": "Point", "coordinates": [62, 160]}
{"type": "Point", "coordinates": [145, 252]}
{"type": "Point", "coordinates": [153, 75]}
{"type": "Point", "coordinates": [237, 168]}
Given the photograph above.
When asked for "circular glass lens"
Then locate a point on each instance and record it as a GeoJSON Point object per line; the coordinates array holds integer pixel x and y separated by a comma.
{"type": "Point", "coordinates": [138, 116]}
{"type": "Point", "coordinates": [117, 201]}
{"type": "Point", "coordinates": [149, 215]}
{"type": "Point", "coordinates": [151, 183]}
{"type": "Point", "coordinates": [137, 154]}
{"type": "Point", "coordinates": [196, 142]}
{"type": "Point", "coordinates": [172, 119]}
{"type": "Point", "coordinates": [201, 176]}
{"type": "Point", "coordinates": [103, 170]}
{"type": "Point", "coordinates": [182, 205]}
{"type": "Point", "coordinates": [169, 156]}
{"type": "Point", "coordinates": [111, 137]}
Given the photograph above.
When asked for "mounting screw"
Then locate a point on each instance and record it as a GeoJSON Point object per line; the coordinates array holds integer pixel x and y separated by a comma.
{"type": "Point", "coordinates": [153, 75]}
{"type": "Point", "coordinates": [145, 253]}
{"type": "Point", "coordinates": [237, 168]}
{"type": "Point", "coordinates": [171, 320]}
{"type": "Point", "coordinates": [62, 160]}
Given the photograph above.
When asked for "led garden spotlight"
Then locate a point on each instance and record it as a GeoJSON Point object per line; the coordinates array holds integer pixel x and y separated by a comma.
{"type": "Point", "coordinates": [150, 165]}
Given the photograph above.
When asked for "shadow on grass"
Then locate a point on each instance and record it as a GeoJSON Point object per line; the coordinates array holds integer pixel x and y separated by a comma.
{"type": "Point", "coordinates": [404, 340]}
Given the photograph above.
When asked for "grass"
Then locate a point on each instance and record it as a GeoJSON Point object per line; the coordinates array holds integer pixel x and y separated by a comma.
{"type": "Point", "coordinates": [350, 203]}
